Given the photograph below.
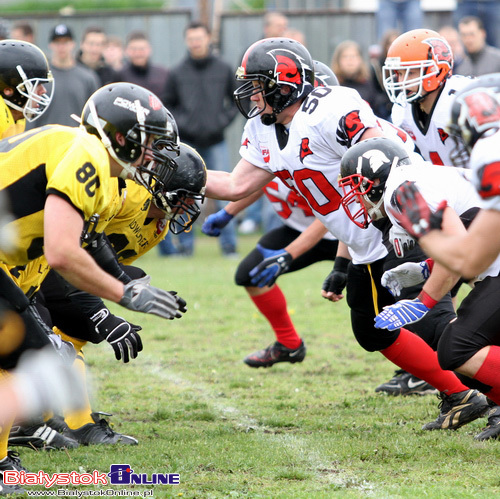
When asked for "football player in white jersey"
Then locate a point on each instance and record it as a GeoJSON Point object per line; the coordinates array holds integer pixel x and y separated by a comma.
{"type": "Point", "coordinates": [300, 137]}
{"type": "Point", "coordinates": [307, 241]}
{"type": "Point", "coordinates": [418, 80]}
{"type": "Point", "coordinates": [471, 345]}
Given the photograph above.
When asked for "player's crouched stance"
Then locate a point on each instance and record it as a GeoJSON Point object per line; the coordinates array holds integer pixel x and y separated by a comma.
{"type": "Point", "coordinates": [370, 171]}
{"type": "Point", "coordinates": [56, 178]}
{"type": "Point", "coordinates": [470, 345]}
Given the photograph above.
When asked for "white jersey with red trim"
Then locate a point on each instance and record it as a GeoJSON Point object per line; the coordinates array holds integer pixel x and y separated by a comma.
{"type": "Point", "coordinates": [433, 142]}
{"type": "Point", "coordinates": [330, 120]}
{"type": "Point", "coordinates": [291, 207]}
{"type": "Point", "coordinates": [485, 165]}
{"type": "Point", "coordinates": [437, 183]}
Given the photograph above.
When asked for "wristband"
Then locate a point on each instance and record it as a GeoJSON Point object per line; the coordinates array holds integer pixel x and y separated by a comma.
{"type": "Point", "coordinates": [427, 300]}
{"type": "Point", "coordinates": [341, 264]}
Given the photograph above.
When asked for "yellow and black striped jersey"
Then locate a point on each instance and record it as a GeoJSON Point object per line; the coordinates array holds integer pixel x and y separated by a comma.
{"type": "Point", "coordinates": [8, 126]}
{"type": "Point", "coordinates": [132, 232]}
{"type": "Point", "coordinates": [54, 159]}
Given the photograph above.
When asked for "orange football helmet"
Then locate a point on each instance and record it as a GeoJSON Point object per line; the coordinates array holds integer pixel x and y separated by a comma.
{"type": "Point", "coordinates": [423, 50]}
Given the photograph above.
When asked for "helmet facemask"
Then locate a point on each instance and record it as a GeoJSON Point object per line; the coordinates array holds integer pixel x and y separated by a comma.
{"type": "Point", "coordinates": [358, 192]}
{"type": "Point", "coordinates": [33, 105]}
{"type": "Point", "coordinates": [277, 96]}
{"type": "Point", "coordinates": [404, 92]}
{"type": "Point", "coordinates": [182, 207]}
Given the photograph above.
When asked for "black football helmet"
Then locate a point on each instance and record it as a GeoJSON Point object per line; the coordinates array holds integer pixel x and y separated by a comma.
{"type": "Point", "coordinates": [138, 115]}
{"type": "Point", "coordinates": [23, 70]}
{"type": "Point", "coordinates": [181, 197]}
{"type": "Point", "coordinates": [284, 72]}
{"type": "Point", "coordinates": [364, 170]}
{"type": "Point", "coordinates": [324, 76]}
{"type": "Point", "coordinates": [475, 111]}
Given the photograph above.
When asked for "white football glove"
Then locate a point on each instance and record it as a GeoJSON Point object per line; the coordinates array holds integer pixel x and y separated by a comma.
{"type": "Point", "coordinates": [404, 276]}
{"type": "Point", "coordinates": [401, 241]}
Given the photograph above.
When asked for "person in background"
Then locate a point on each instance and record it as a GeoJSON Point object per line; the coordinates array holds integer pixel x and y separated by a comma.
{"type": "Point", "coordinates": [113, 52]}
{"type": "Point", "coordinates": [480, 58]}
{"type": "Point", "coordinates": [275, 24]}
{"type": "Point", "coordinates": [451, 35]}
{"type": "Point", "coordinates": [74, 83]}
{"type": "Point", "coordinates": [352, 71]}
{"type": "Point", "coordinates": [139, 68]}
{"type": "Point", "coordinates": [489, 13]}
{"type": "Point", "coordinates": [23, 30]}
{"type": "Point", "coordinates": [401, 14]}
{"type": "Point", "coordinates": [377, 55]}
{"type": "Point", "coordinates": [91, 54]}
{"type": "Point", "coordinates": [199, 93]}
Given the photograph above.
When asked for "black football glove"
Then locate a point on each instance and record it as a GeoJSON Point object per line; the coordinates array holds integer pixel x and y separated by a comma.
{"type": "Point", "coordinates": [336, 280]}
{"type": "Point", "coordinates": [416, 217]}
{"type": "Point", "coordinates": [120, 334]}
{"type": "Point", "coordinates": [140, 296]}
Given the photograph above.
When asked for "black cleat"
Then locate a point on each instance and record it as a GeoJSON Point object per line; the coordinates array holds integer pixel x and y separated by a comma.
{"type": "Point", "coordinates": [11, 463]}
{"type": "Point", "coordinates": [404, 383]}
{"type": "Point", "coordinates": [99, 432]}
{"type": "Point", "coordinates": [40, 436]}
{"type": "Point", "coordinates": [275, 353]}
{"type": "Point", "coordinates": [458, 409]}
{"type": "Point", "coordinates": [492, 431]}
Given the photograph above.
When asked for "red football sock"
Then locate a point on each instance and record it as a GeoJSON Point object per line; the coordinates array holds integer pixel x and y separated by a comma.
{"type": "Point", "coordinates": [414, 355]}
{"type": "Point", "coordinates": [272, 305]}
{"type": "Point", "coordinates": [489, 372]}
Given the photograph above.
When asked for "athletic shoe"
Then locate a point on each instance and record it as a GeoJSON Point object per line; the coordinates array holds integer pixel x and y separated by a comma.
{"type": "Point", "coordinates": [404, 383]}
{"type": "Point", "coordinates": [276, 353]}
{"type": "Point", "coordinates": [40, 436]}
{"type": "Point", "coordinates": [99, 432]}
{"type": "Point", "coordinates": [492, 431]}
{"type": "Point", "coordinates": [11, 463]}
{"type": "Point", "coordinates": [458, 409]}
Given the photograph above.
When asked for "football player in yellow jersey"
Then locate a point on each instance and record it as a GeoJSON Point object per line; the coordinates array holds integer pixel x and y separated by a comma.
{"type": "Point", "coordinates": [57, 177]}
{"type": "Point", "coordinates": [24, 72]}
{"type": "Point", "coordinates": [136, 228]}
{"type": "Point", "coordinates": [144, 219]}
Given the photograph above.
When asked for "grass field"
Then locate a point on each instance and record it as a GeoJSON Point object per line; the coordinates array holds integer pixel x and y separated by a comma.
{"type": "Point", "coordinates": [310, 430]}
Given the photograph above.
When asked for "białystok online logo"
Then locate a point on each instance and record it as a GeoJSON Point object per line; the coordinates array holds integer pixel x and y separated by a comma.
{"type": "Point", "coordinates": [119, 474]}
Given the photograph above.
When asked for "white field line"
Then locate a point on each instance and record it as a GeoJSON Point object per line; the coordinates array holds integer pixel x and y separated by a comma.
{"type": "Point", "coordinates": [291, 443]}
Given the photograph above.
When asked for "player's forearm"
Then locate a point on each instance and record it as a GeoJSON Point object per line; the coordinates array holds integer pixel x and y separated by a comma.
{"type": "Point", "coordinates": [235, 207]}
{"type": "Point", "coordinates": [307, 240]}
{"type": "Point", "coordinates": [80, 270]}
{"type": "Point", "coordinates": [440, 281]}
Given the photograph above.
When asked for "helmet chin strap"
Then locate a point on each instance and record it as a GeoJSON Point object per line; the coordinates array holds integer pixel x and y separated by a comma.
{"type": "Point", "coordinates": [375, 210]}
{"type": "Point", "coordinates": [268, 119]}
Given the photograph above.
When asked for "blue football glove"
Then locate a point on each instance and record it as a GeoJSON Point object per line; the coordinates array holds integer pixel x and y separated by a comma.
{"type": "Point", "coordinates": [401, 313]}
{"type": "Point", "coordinates": [275, 263]}
{"type": "Point", "coordinates": [215, 222]}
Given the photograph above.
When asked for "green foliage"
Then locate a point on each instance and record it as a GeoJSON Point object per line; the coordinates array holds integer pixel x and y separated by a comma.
{"type": "Point", "coordinates": [79, 5]}
{"type": "Point", "coordinates": [310, 430]}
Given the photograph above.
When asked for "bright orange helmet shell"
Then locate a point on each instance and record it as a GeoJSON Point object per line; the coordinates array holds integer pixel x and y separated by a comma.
{"type": "Point", "coordinates": [421, 49]}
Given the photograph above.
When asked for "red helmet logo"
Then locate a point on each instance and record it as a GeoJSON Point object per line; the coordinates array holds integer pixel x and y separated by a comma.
{"type": "Point", "coordinates": [289, 67]}
{"type": "Point", "coordinates": [483, 109]}
{"type": "Point", "coordinates": [440, 50]}
{"type": "Point", "coordinates": [154, 102]}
